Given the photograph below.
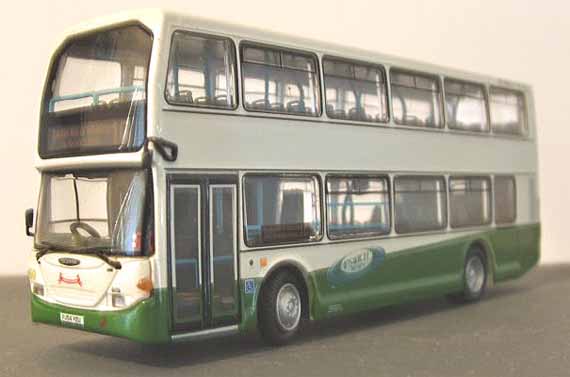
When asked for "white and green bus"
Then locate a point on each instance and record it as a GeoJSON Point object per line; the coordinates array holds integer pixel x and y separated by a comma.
{"type": "Point", "coordinates": [201, 179]}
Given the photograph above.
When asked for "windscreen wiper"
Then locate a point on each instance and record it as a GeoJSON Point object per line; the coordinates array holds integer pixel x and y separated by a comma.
{"type": "Point", "coordinates": [42, 250]}
{"type": "Point", "coordinates": [113, 263]}
{"type": "Point", "coordinates": [101, 252]}
{"type": "Point", "coordinates": [46, 248]}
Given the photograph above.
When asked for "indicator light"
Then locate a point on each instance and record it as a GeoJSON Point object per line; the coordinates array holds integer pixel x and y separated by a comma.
{"type": "Point", "coordinates": [145, 284]}
{"type": "Point", "coordinates": [38, 289]}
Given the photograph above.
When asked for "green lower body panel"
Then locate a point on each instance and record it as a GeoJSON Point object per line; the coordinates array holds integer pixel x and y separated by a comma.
{"type": "Point", "coordinates": [410, 274]}
{"type": "Point", "coordinates": [146, 322]}
{"type": "Point", "coordinates": [426, 271]}
{"type": "Point", "coordinates": [529, 247]}
{"type": "Point", "coordinates": [368, 280]}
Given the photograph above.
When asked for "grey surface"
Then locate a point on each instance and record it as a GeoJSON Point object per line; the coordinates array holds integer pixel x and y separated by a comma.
{"type": "Point", "coordinates": [522, 328]}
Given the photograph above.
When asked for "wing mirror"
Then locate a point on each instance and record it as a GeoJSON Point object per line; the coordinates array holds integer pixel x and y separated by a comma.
{"type": "Point", "coordinates": [29, 221]}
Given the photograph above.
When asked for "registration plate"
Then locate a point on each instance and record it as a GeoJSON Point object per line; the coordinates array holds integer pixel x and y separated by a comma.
{"type": "Point", "coordinates": [71, 319]}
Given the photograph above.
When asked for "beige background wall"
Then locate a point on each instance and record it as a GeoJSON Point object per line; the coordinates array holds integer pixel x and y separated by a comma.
{"type": "Point", "coordinates": [524, 40]}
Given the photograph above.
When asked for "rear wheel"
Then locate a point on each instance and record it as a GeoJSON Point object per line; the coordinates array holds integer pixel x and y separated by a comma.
{"type": "Point", "coordinates": [474, 277]}
{"type": "Point", "coordinates": [281, 309]}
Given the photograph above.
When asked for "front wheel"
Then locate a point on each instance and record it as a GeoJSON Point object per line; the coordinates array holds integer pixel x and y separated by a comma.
{"type": "Point", "coordinates": [281, 308]}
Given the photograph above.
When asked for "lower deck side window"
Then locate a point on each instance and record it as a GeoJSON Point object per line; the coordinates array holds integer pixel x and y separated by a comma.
{"type": "Point", "coordinates": [357, 207]}
{"type": "Point", "coordinates": [281, 209]}
{"type": "Point", "coordinates": [505, 199]}
{"type": "Point", "coordinates": [469, 201]}
{"type": "Point", "coordinates": [419, 203]}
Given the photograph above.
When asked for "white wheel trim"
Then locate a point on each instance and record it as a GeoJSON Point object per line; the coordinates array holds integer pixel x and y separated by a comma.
{"type": "Point", "coordinates": [288, 307]}
{"type": "Point", "coordinates": [475, 274]}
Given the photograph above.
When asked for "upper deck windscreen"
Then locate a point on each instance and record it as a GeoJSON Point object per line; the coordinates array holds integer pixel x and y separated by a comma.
{"type": "Point", "coordinates": [95, 101]}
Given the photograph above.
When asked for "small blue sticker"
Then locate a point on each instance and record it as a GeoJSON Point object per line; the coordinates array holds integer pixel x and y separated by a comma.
{"type": "Point", "coordinates": [249, 286]}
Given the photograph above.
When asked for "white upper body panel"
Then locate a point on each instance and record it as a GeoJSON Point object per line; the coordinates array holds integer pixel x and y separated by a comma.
{"type": "Point", "coordinates": [221, 139]}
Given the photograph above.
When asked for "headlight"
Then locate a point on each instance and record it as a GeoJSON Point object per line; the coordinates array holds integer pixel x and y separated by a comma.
{"type": "Point", "coordinates": [117, 299]}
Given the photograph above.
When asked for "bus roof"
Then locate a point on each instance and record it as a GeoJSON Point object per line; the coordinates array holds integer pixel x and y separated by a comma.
{"type": "Point", "coordinates": [158, 20]}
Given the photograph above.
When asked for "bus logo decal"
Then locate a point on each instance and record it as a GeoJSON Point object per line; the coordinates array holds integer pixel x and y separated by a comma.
{"type": "Point", "coordinates": [69, 261]}
{"type": "Point", "coordinates": [356, 262]}
{"type": "Point", "coordinates": [355, 265]}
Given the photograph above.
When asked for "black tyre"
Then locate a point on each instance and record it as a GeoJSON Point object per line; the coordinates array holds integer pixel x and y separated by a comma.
{"type": "Point", "coordinates": [282, 308]}
{"type": "Point", "coordinates": [474, 277]}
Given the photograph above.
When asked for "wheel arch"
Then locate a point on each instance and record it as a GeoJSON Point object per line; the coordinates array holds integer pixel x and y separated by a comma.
{"type": "Point", "coordinates": [296, 268]}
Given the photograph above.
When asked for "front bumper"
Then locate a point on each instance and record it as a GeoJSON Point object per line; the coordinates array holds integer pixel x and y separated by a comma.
{"type": "Point", "coordinates": [146, 322]}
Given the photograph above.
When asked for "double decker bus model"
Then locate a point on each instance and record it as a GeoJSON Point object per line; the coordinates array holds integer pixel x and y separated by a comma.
{"type": "Point", "coordinates": [201, 179]}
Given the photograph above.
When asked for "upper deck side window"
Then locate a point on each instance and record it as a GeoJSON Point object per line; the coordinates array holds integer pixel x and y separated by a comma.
{"type": "Point", "coordinates": [201, 71]}
{"type": "Point", "coordinates": [416, 99]}
{"type": "Point", "coordinates": [466, 106]}
{"type": "Point", "coordinates": [508, 111]}
{"type": "Point", "coordinates": [280, 81]}
{"type": "Point", "coordinates": [355, 91]}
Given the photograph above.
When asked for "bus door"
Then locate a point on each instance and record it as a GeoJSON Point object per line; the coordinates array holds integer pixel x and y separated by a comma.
{"type": "Point", "coordinates": [203, 251]}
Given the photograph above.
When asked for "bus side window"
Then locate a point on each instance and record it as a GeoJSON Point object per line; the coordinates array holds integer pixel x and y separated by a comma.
{"type": "Point", "coordinates": [508, 111]}
{"type": "Point", "coordinates": [355, 91]}
{"type": "Point", "coordinates": [505, 199]}
{"type": "Point", "coordinates": [280, 81]}
{"type": "Point", "coordinates": [466, 106]}
{"type": "Point", "coordinates": [416, 99]}
{"type": "Point", "coordinates": [469, 201]}
{"type": "Point", "coordinates": [201, 71]}
{"type": "Point", "coordinates": [281, 209]}
{"type": "Point", "coordinates": [419, 203]}
{"type": "Point", "coordinates": [357, 206]}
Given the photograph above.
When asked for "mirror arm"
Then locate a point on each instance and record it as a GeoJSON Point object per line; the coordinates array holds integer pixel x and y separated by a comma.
{"type": "Point", "coordinates": [167, 149]}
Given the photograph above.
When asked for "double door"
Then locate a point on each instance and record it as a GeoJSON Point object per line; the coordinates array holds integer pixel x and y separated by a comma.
{"type": "Point", "coordinates": [203, 251]}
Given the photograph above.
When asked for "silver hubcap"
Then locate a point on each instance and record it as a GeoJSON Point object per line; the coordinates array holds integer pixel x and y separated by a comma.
{"type": "Point", "coordinates": [288, 307]}
{"type": "Point", "coordinates": [475, 274]}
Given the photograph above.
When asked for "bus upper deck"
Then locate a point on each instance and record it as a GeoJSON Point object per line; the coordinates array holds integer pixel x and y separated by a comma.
{"type": "Point", "coordinates": [309, 82]}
